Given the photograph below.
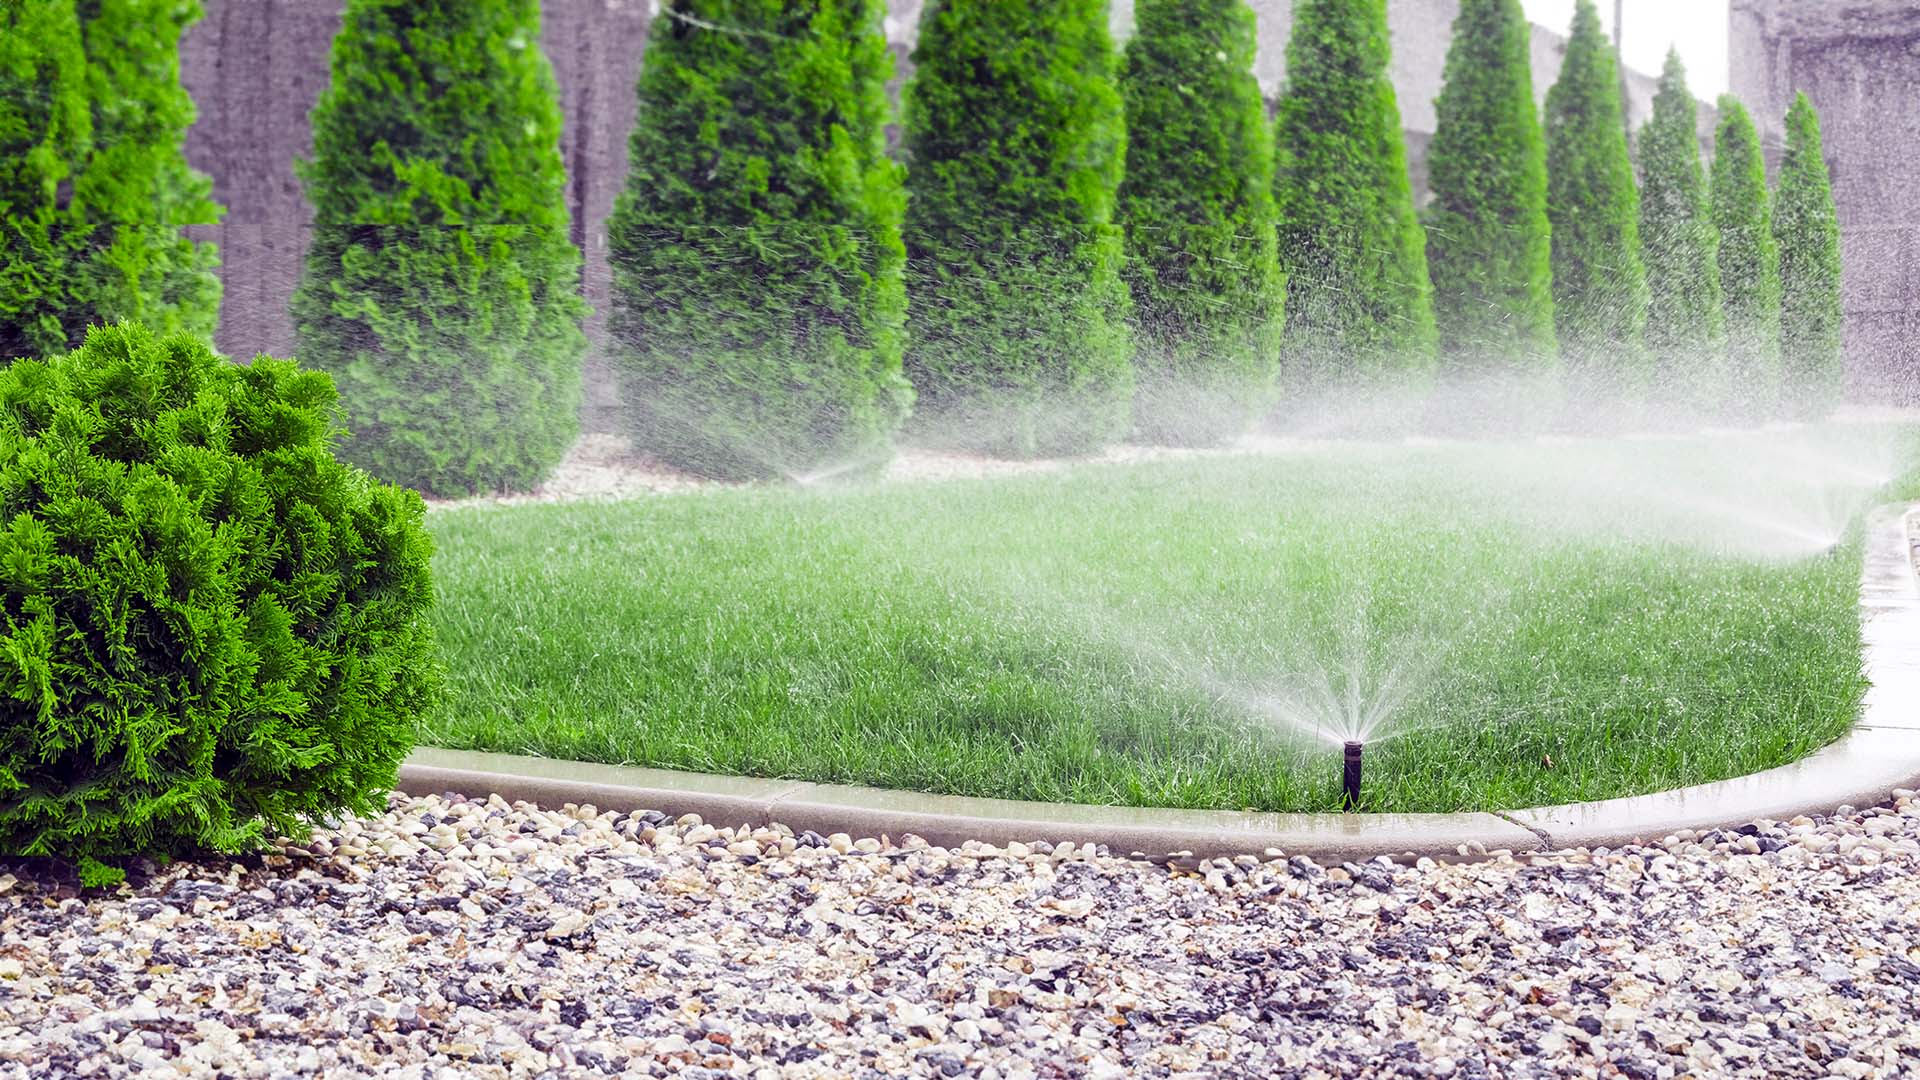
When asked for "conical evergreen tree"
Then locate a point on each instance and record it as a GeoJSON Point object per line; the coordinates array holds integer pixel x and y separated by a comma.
{"type": "Point", "coordinates": [1197, 202]}
{"type": "Point", "coordinates": [1808, 229]}
{"type": "Point", "coordinates": [758, 289]}
{"type": "Point", "coordinates": [1686, 322]}
{"type": "Point", "coordinates": [46, 128]}
{"type": "Point", "coordinates": [1488, 242]}
{"type": "Point", "coordinates": [1599, 285]}
{"type": "Point", "coordinates": [1749, 263]}
{"type": "Point", "coordinates": [1015, 142]}
{"type": "Point", "coordinates": [94, 187]}
{"type": "Point", "coordinates": [137, 187]}
{"type": "Point", "coordinates": [1359, 303]}
{"type": "Point", "coordinates": [441, 288]}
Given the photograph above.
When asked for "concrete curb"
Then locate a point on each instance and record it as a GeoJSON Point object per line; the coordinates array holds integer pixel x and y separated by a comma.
{"type": "Point", "coordinates": [1881, 754]}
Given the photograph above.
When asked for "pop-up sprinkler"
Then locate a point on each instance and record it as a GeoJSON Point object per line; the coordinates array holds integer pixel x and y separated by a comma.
{"type": "Point", "coordinates": [1350, 777]}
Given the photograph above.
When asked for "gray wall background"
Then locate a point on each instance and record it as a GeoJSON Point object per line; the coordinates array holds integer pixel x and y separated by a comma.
{"type": "Point", "coordinates": [1859, 60]}
{"type": "Point", "coordinates": [256, 67]}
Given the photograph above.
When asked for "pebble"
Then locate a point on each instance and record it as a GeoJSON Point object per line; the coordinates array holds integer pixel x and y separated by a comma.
{"type": "Point", "coordinates": [463, 938]}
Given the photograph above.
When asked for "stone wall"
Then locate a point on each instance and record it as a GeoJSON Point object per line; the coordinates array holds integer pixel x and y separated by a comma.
{"type": "Point", "coordinates": [1859, 61]}
{"type": "Point", "coordinates": [256, 67]}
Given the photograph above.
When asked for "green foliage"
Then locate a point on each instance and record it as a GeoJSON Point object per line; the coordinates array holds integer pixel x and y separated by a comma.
{"type": "Point", "coordinates": [94, 186]}
{"type": "Point", "coordinates": [1488, 240]}
{"type": "Point", "coordinates": [1359, 303]}
{"type": "Point", "coordinates": [1599, 284]}
{"type": "Point", "coordinates": [1686, 321]}
{"type": "Point", "coordinates": [441, 288]}
{"type": "Point", "coordinates": [1749, 262]}
{"type": "Point", "coordinates": [45, 129]}
{"type": "Point", "coordinates": [1808, 229]}
{"type": "Point", "coordinates": [758, 268]}
{"type": "Point", "coordinates": [1015, 142]}
{"type": "Point", "coordinates": [1197, 203]}
{"type": "Point", "coordinates": [212, 627]}
{"type": "Point", "coordinates": [137, 184]}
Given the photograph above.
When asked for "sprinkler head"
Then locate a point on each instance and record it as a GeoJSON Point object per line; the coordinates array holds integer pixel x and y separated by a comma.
{"type": "Point", "coordinates": [1350, 777]}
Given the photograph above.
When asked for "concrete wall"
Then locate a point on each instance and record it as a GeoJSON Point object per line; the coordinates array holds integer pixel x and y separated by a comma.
{"type": "Point", "coordinates": [256, 67]}
{"type": "Point", "coordinates": [1859, 61]}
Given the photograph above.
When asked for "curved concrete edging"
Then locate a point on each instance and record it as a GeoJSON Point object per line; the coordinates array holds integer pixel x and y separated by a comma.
{"type": "Point", "coordinates": [1878, 756]}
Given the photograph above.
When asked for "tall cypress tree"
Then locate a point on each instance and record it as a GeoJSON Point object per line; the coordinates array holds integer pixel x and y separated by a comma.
{"type": "Point", "coordinates": [1599, 285]}
{"type": "Point", "coordinates": [1686, 322]}
{"type": "Point", "coordinates": [758, 289]}
{"type": "Point", "coordinates": [94, 187]}
{"type": "Point", "coordinates": [1359, 302]}
{"type": "Point", "coordinates": [1488, 241]}
{"type": "Point", "coordinates": [1015, 142]}
{"type": "Point", "coordinates": [1749, 262]}
{"type": "Point", "coordinates": [138, 189]}
{"type": "Point", "coordinates": [1197, 202]}
{"type": "Point", "coordinates": [46, 128]}
{"type": "Point", "coordinates": [1808, 229]}
{"type": "Point", "coordinates": [441, 288]}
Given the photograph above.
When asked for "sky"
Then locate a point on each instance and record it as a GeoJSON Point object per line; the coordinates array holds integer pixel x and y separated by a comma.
{"type": "Point", "coordinates": [1697, 27]}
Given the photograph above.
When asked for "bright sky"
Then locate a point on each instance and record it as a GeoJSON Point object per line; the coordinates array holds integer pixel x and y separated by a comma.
{"type": "Point", "coordinates": [1697, 27]}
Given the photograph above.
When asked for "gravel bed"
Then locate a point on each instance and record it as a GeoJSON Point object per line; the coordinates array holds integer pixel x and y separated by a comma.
{"type": "Point", "coordinates": [454, 938]}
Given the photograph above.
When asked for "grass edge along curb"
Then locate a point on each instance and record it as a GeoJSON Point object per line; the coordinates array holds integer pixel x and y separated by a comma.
{"type": "Point", "coordinates": [1879, 755]}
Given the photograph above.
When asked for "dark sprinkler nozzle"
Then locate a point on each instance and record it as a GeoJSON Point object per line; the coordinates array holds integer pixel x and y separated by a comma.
{"type": "Point", "coordinates": [1350, 777]}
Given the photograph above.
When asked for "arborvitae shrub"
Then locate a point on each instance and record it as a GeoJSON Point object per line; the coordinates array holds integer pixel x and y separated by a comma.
{"type": "Point", "coordinates": [213, 628]}
{"type": "Point", "coordinates": [1017, 339]}
{"type": "Point", "coordinates": [1686, 321]}
{"type": "Point", "coordinates": [94, 186]}
{"type": "Point", "coordinates": [441, 287]}
{"type": "Point", "coordinates": [1359, 303]}
{"type": "Point", "coordinates": [1808, 229]}
{"type": "Point", "coordinates": [1749, 261]}
{"type": "Point", "coordinates": [45, 130]}
{"type": "Point", "coordinates": [1488, 242]}
{"type": "Point", "coordinates": [758, 288]}
{"type": "Point", "coordinates": [1197, 203]}
{"type": "Point", "coordinates": [1599, 285]}
{"type": "Point", "coordinates": [138, 191]}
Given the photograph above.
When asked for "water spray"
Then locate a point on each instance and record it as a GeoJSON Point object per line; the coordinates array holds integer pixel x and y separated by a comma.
{"type": "Point", "coordinates": [1350, 777]}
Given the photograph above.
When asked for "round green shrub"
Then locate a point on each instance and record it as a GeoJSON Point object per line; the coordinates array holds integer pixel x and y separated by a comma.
{"type": "Point", "coordinates": [213, 628]}
{"type": "Point", "coordinates": [1197, 202]}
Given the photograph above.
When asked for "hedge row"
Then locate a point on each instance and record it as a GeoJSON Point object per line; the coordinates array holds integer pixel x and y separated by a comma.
{"type": "Point", "coordinates": [1678, 291]}
{"type": "Point", "coordinates": [1093, 243]}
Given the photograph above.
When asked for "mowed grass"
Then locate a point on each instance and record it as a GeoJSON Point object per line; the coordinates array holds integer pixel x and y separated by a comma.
{"type": "Point", "coordinates": [1516, 625]}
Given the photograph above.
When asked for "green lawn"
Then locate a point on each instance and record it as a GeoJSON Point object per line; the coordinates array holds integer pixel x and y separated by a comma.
{"type": "Point", "coordinates": [1516, 625]}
